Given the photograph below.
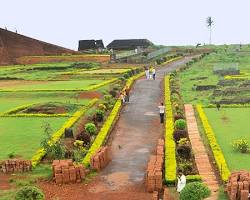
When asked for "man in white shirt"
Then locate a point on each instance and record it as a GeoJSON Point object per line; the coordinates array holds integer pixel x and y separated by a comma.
{"type": "Point", "coordinates": [181, 181]}
{"type": "Point", "coordinates": [162, 111]}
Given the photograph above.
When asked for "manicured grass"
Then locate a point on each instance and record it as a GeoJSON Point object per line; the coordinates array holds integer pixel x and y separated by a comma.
{"type": "Point", "coordinates": [201, 73]}
{"type": "Point", "coordinates": [230, 124]}
{"type": "Point", "coordinates": [23, 135]}
{"type": "Point", "coordinates": [54, 85]}
{"type": "Point", "coordinates": [12, 100]}
{"type": "Point", "coordinates": [105, 71]}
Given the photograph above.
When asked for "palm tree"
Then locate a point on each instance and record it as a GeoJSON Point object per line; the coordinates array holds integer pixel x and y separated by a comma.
{"type": "Point", "coordinates": [210, 22]}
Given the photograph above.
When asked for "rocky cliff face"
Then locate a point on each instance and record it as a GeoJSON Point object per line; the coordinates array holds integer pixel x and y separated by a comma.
{"type": "Point", "coordinates": [13, 45]}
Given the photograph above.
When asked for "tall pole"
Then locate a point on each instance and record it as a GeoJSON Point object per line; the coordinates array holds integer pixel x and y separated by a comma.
{"type": "Point", "coordinates": [210, 37]}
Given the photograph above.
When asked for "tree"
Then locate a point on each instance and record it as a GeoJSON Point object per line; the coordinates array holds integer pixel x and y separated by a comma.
{"type": "Point", "coordinates": [210, 22]}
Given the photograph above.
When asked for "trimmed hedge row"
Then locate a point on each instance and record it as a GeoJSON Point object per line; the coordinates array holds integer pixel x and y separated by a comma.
{"type": "Point", "coordinates": [17, 109]}
{"type": "Point", "coordinates": [170, 147]}
{"type": "Point", "coordinates": [100, 138]}
{"type": "Point", "coordinates": [58, 134]}
{"type": "Point", "coordinates": [171, 60]}
{"type": "Point", "coordinates": [218, 155]}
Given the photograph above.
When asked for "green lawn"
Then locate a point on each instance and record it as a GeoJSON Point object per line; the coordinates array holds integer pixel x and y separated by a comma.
{"type": "Point", "coordinates": [201, 73]}
{"type": "Point", "coordinates": [12, 100]}
{"type": "Point", "coordinates": [23, 135]}
{"type": "Point", "coordinates": [230, 124]}
{"type": "Point", "coordinates": [54, 85]}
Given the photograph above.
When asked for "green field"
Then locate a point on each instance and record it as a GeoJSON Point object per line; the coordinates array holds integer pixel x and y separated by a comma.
{"type": "Point", "coordinates": [12, 100]}
{"type": "Point", "coordinates": [54, 85]}
{"type": "Point", "coordinates": [201, 73]}
{"type": "Point", "coordinates": [229, 124]}
{"type": "Point", "coordinates": [22, 136]}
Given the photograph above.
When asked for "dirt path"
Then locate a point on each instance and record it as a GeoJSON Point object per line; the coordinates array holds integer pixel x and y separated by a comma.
{"type": "Point", "coordinates": [133, 140]}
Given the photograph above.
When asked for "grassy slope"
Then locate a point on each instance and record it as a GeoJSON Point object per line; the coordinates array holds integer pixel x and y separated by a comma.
{"type": "Point", "coordinates": [23, 135]}
{"type": "Point", "coordinates": [228, 130]}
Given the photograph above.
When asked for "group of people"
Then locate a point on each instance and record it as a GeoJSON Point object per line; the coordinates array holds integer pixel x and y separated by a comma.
{"type": "Point", "coordinates": [150, 73]}
{"type": "Point", "coordinates": [124, 95]}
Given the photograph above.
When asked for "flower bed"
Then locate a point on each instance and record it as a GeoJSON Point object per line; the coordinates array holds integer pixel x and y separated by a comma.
{"type": "Point", "coordinates": [170, 148]}
{"type": "Point", "coordinates": [218, 155]}
{"type": "Point", "coordinates": [58, 134]}
{"type": "Point", "coordinates": [101, 137]}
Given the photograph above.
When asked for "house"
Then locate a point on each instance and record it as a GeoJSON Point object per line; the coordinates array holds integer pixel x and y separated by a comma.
{"type": "Point", "coordinates": [129, 44]}
{"type": "Point", "coordinates": [90, 45]}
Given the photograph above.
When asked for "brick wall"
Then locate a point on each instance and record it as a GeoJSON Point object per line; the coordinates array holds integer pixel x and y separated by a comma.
{"type": "Point", "coordinates": [13, 45]}
{"type": "Point", "coordinates": [238, 185]}
{"type": "Point", "coordinates": [155, 169]}
{"type": "Point", "coordinates": [64, 171]}
{"type": "Point", "coordinates": [101, 158]}
{"type": "Point", "coordinates": [16, 165]}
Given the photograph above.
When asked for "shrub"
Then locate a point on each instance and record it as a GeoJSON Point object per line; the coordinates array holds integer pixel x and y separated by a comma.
{"type": "Point", "coordinates": [178, 134]}
{"type": "Point", "coordinates": [241, 145]}
{"type": "Point", "coordinates": [29, 193]}
{"type": "Point", "coordinates": [11, 155]}
{"type": "Point", "coordinates": [178, 116]}
{"type": "Point", "coordinates": [126, 75]}
{"type": "Point", "coordinates": [113, 93]}
{"type": "Point", "coordinates": [99, 115]}
{"type": "Point", "coordinates": [184, 151]}
{"type": "Point", "coordinates": [183, 141]}
{"type": "Point", "coordinates": [186, 167]}
{"type": "Point", "coordinates": [90, 128]}
{"type": "Point", "coordinates": [195, 191]}
{"type": "Point", "coordinates": [180, 124]}
{"type": "Point", "coordinates": [102, 107]}
{"type": "Point", "coordinates": [83, 137]}
{"type": "Point", "coordinates": [122, 79]}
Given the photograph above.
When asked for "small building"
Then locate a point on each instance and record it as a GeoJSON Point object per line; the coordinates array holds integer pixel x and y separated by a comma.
{"type": "Point", "coordinates": [85, 45]}
{"type": "Point", "coordinates": [129, 44]}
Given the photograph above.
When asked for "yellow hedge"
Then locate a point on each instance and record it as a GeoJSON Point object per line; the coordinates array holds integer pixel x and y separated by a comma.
{"type": "Point", "coordinates": [100, 138]}
{"type": "Point", "coordinates": [218, 155]}
{"type": "Point", "coordinates": [58, 134]}
{"type": "Point", "coordinates": [170, 153]}
{"type": "Point", "coordinates": [171, 60]}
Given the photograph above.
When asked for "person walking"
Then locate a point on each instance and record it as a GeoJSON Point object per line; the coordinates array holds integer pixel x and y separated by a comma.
{"type": "Point", "coordinates": [122, 96]}
{"type": "Point", "coordinates": [181, 178]}
{"type": "Point", "coordinates": [154, 73]}
{"type": "Point", "coordinates": [162, 111]}
{"type": "Point", "coordinates": [147, 73]}
{"type": "Point", "coordinates": [127, 90]}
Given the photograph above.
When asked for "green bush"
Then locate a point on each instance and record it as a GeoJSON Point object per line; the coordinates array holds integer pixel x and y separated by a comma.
{"type": "Point", "coordinates": [241, 145]}
{"type": "Point", "coordinates": [90, 128]}
{"type": "Point", "coordinates": [180, 124]}
{"type": "Point", "coordinates": [29, 193]}
{"type": "Point", "coordinates": [99, 115]}
{"type": "Point", "coordinates": [195, 191]}
{"type": "Point", "coordinates": [126, 75]}
{"type": "Point", "coordinates": [102, 107]}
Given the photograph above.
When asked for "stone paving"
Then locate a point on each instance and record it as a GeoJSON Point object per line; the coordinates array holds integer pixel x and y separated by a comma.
{"type": "Point", "coordinates": [204, 166]}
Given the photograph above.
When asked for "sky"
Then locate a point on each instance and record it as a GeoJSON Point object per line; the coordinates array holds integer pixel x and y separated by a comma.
{"type": "Point", "coordinates": [166, 22]}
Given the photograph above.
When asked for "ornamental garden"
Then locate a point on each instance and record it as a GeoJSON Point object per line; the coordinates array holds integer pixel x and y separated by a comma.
{"type": "Point", "coordinates": [56, 118]}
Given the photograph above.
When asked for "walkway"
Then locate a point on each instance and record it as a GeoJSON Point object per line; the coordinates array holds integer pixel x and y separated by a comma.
{"type": "Point", "coordinates": [204, 166]}
{"type": "Point", "coordinates": [137, 130]}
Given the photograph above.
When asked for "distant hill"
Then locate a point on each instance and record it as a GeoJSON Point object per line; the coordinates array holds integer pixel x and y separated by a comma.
{"type": "Point", "coordinates": [14, 45]}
